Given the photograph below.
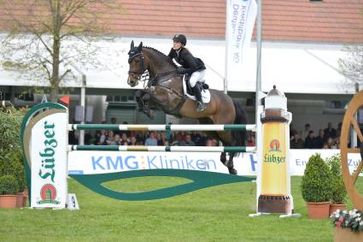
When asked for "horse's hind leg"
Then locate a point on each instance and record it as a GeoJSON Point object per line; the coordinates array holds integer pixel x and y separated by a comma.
{"type": "Point", "coordinates": [228, 163]}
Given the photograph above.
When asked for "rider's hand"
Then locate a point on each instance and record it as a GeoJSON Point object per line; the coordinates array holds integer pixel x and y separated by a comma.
{"type": "Point", "coordinates": [181, 70]}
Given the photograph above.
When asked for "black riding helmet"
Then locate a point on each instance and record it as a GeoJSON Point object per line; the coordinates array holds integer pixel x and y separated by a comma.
{"type": "Point", "coordinates": [180, 38]}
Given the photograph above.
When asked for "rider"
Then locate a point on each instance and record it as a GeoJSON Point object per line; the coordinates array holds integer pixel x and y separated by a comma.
{"type": "Point", "coordinates": [189, 65]}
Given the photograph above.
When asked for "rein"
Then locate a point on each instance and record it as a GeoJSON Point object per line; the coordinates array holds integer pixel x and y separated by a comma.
{"type": "Point", "coordinates": [159, 77]}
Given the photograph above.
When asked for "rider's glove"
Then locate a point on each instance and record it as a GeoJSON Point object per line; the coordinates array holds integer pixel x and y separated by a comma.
{"type": "Point", "coordinates": [182, 70]}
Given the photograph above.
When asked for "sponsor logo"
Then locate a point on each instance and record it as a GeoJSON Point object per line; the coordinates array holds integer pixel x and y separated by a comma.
{"type": "Point", "coordinates": [48, 194]}
{"type": "Point", "coordinates": [132, 162]}
{"type": "Point", "coordinates": [275, 154]}
{"type": "Point", "coordinates": [275, 145]}
{"type": "Point", "coordinates": [47, 170]}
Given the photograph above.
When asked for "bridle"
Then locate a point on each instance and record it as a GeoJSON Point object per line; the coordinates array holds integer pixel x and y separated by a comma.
{"type": "Point", "coordinates": [142, 65]}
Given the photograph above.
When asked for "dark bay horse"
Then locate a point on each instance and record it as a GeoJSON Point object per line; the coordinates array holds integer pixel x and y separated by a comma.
{"type": "Point", "coordinates": [164, 91]}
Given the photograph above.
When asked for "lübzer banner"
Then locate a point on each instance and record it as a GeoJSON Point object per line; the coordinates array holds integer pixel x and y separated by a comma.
{"type": "Point", "coordinates": [240, 19]}
{"type": "Point", "coordinates": [49, 161]}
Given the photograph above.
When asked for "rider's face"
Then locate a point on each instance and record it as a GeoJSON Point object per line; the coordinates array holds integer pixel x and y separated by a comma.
{"type": "Point", "coordinates": [177, 45]}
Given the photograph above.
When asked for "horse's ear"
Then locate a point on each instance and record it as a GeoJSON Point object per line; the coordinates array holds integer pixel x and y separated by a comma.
{"type": "Point", "coordinates": [132, 45]}
{"type": "Point", "coordinates": [140, 46]}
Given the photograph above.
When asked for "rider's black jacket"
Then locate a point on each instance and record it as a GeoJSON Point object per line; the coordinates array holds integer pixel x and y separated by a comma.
{"type": "Point", "coordinates": [189, 63]}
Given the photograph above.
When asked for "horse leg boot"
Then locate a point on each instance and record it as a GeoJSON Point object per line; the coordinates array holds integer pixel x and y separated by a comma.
{"type": "Point", "coordinates": [230, 164]}
{"type": "Point", "coordinates": [197, 89]}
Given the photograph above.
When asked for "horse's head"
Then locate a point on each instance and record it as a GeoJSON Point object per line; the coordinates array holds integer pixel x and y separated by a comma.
{"type": "Point", "coordinates": [137, 65]}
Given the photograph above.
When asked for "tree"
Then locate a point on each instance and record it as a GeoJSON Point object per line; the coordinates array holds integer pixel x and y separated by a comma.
{"type": "Point", "coordinates": [352, 65]}
{"type": "Point", "coordinates": [46, 38]}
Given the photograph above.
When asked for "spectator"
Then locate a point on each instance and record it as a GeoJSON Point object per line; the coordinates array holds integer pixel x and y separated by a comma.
{"type": "Point", "coordinates": [215, 142]}
{"type": "Point", "coordinates": [188, 140]}
{"type": "Point", "coordinates": [197, 138]}
{"type": "Point", "coordinates": [113, 120]}
{"type": "Point", "coordinates": [209, 142]}
{"type": "Point", "coordinates": [133, 140]}
{"type": "Point", "coordinates": [116, 140]}
{"type": "Point", "coordinates": [339, 130]}
{"type": "Point", "coordinates": [124, 139]}
{"type": "Point", "coordinates": [309, 141]}
{"type": "Point", "coordinates": [251, 140]}
{"type": "Point", "coordinates": [330, 132]}
{"type": "Point", "coordinates": [151, 140]}
{"type": "Point", "coordinates": [161, 137]}
{"type": "Point", "coordinates": [110, 137]}
{"type": "Point", "coordinates": [330, 144]}
{"type": "Point", "coordinates": [101, 137]}
{"type": "Point", "coordinates": [296, 141]}
{"type": "Point", "coordinates": [306, 131]}
{"type": "Point", "coordinates": [178, 139]}
{"type": "Point", "coordinates": [319, 140]}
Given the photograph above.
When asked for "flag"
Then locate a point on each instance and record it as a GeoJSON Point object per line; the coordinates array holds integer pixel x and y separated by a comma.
{"type": "Point", "coordinates": [240, 20]}
{"type": "Point", "coordinates": [64, 100]}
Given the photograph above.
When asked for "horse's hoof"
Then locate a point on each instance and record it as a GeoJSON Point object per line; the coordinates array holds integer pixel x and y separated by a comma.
{"type": "Point", "coordinates": [232, 171]}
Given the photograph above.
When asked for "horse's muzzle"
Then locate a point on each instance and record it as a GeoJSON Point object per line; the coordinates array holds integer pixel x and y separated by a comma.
{"type": "Point", "coordinates": [132, 81]}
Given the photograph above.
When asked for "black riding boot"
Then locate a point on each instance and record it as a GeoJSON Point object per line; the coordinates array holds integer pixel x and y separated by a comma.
{"type": "Point", "coordinates": [197, 89]}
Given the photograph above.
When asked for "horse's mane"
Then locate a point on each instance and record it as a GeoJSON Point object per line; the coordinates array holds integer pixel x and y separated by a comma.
{"type": "Point", "coordinates": [170, 61]}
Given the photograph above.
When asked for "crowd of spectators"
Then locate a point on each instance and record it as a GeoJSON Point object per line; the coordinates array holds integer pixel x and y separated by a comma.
{"type": "Point", "coordinates": [152, 138]}
{"type": "Point", "coordinates": [327, 138]}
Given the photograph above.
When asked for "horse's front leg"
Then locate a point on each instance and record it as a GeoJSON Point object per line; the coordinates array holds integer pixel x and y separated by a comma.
{"type": "Point", "coordinates": [228, 163]}
{"type": "Point", "coordinates": [143, 102]}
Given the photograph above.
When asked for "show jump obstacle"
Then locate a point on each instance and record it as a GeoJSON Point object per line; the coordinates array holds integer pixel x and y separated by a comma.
{"type": "Point", "coordinates": [47, 153]}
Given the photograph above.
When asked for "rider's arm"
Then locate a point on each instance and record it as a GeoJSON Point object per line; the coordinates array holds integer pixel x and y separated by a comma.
{"type": "Point", "coordinates": [191, 63]}
{"type": "Point", "coordinates": [171, 54]}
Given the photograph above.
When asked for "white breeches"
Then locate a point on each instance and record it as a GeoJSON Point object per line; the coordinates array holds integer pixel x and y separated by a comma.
{"type": "Point", "coordinates": [197, 76]}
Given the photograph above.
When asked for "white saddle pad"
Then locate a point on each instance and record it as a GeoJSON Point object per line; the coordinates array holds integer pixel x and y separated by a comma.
{"type": "Point", "coordinates": [205, 93]}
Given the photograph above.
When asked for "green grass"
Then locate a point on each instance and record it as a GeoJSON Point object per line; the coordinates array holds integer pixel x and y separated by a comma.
{"type": "Point", "coordinates": [213, 214]}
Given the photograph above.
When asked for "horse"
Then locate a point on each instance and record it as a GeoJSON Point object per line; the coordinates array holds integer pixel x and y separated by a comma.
{"type": "Point", "coordinates": [164, 91]}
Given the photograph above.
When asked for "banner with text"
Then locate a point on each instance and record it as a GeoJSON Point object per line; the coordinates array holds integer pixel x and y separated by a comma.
{"type": "Point", "coordinates": [240, 19]}
{"type": "Point", "coordinates": [100, 162]}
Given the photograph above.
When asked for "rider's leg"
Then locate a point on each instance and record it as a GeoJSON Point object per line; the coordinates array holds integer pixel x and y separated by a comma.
{"type": "Point", "coordinates": [197, 76]}
{"type": "Point", "coordinates": [198, 88]}
{"type": "Point", "coordinates": [196, 82]}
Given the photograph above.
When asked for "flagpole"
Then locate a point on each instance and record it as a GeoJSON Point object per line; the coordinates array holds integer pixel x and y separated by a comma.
{"type": "Point", "coordinates": [258, 108]}
{"type": "Point", "coordinates": [259, 45]}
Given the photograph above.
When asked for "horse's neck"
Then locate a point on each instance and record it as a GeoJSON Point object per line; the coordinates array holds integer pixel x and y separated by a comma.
{"type": "Point", "coordinates": [158, 64]}
{"type": "Point", "coordinates": [162, 70]}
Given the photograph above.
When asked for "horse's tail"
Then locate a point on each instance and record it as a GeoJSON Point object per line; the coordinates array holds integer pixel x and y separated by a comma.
{"type": "Point", "coordinates": [241, 118]}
